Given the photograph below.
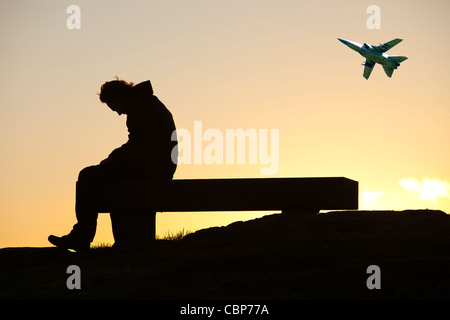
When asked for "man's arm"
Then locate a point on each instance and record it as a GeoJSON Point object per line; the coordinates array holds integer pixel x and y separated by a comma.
{"type": "Point", "coordinates": [117, 154]}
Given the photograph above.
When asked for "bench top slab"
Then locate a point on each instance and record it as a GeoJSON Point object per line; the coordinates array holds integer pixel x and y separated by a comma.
{"type": "Point", "coordinates": [246, 194]}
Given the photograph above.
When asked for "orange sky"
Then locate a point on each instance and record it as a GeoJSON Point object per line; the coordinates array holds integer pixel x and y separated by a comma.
{"type": "Point", "coordinates": [230, 64]}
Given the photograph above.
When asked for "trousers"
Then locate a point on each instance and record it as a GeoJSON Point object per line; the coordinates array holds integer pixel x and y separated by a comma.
{"type": "Point", "coordinates": [129, 226]}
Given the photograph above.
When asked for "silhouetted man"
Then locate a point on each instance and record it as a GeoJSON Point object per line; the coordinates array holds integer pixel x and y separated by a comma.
{"type": "Point", "coordinates": [146, 155]}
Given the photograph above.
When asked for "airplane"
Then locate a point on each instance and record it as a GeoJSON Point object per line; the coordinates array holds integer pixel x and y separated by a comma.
{"type": "Point", "coordinates": [376, 54]}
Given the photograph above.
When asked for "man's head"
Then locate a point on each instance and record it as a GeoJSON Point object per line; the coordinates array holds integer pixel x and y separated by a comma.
{"type": "Point", "coordinates": [117, 95]}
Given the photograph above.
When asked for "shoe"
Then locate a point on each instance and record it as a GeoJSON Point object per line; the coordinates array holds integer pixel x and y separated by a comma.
{"type": "Point", "coordinates": [69, 242]}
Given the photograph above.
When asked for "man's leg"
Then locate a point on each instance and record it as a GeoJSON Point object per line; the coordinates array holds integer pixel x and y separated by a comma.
{"type": "Point", "coordinates": [86, 210]}
{"type": "Point", "coordinates": [88, 187]}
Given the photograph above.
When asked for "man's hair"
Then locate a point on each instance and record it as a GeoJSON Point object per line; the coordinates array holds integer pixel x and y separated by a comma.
{"type": "Point", "coordinates": [116, 90]}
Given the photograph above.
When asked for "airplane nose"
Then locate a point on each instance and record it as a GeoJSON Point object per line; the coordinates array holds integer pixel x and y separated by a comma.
{"type": "Point", "coordinates": [351, 44]}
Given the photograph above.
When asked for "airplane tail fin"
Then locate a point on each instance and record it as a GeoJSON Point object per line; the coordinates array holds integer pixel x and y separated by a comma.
{"type": "Point", "coordinates": [398, 58]}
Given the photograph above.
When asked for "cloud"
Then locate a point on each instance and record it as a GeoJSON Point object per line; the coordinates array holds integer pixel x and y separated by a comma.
{"type": "Point", "coordinates": [371, 196]}
{"type": "Point", "coordinates": [429, 189]}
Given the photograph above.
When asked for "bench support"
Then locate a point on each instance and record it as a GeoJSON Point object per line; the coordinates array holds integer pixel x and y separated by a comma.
{"type": "Point", "coordinates": [133, 226]}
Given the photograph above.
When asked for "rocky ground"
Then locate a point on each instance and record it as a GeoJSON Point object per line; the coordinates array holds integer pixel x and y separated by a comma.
{"type": "Point", "coordinates": [277, 257]}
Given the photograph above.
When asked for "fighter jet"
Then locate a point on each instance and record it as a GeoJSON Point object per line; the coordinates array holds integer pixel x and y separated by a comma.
{"type": "Point", "coordinates": [376, 54]}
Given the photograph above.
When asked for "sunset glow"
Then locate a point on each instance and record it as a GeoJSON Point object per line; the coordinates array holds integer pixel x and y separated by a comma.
{"type": "Point", "coordinates": [250, 65]}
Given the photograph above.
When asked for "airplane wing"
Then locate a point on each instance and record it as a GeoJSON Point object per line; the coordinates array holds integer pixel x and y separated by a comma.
{"type": "Point", "coordinates": [388, 45]}
{"type": "Point", "coordinates": [368, 67]}
{"type": "Point", "coordinates": [388, 70]}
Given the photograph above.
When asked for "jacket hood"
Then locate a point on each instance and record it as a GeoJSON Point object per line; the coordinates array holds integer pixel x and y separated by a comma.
{"type": "Point", "coordinates": [143, 89]}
